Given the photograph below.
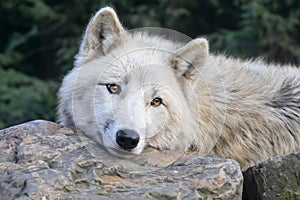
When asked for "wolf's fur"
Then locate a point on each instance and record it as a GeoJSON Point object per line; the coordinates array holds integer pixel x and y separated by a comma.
{"type": "Point", "coordinates": [245, 110]}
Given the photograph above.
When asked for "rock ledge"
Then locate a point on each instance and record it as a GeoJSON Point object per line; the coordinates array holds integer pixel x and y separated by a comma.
{"type": "Point", "coordinates": [43, 160]}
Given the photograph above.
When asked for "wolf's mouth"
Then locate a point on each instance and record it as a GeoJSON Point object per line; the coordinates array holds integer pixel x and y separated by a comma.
{"type": "Point", "coordinates": [117, 151]}
{"type": "Point", "coordinates": [121, 141]}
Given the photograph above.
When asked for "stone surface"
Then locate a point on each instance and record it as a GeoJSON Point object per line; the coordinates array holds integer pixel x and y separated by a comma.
{"type": "Point", "coordinates": [277, 178]}
{"type": "Point", "coordinates": [43, 160]}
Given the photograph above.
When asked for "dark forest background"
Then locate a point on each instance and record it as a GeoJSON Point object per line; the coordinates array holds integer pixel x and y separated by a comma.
{"type": "Point", "coordinates": [39, 39]}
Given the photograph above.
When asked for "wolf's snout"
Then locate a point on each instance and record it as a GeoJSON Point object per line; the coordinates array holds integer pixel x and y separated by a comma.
{"type": "Point", "coordinates": [127, 139]}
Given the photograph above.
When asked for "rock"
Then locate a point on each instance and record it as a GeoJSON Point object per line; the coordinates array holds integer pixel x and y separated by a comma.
{"type": "Point", "coordinates": [276, 178]}
{"type": "Point", "coordinates": [43, 160]}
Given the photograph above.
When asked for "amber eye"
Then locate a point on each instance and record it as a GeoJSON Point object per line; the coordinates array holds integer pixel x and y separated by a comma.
{"type": "Point", "coordinates": [156, 102]}
{"type": "Point", "coordinates": [113, 88]}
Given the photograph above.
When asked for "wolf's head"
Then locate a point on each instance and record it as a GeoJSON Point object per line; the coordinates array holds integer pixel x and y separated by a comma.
{"type": "Point", "coordinates": [128, 90]}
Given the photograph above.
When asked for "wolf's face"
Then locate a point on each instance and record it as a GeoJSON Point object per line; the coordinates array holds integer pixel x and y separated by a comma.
{"type": "Point", "coordinates": [126, 109]}
{"type": "Point", "coordinates": [133, 100]}
{"type": "Point", "coordinates": [131, 90]}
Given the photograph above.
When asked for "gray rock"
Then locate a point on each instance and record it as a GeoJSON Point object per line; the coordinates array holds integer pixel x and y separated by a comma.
{"type": "Point", "coordinates": [43, 160]}
{"type": "Point", "coordinates": [276, 178]}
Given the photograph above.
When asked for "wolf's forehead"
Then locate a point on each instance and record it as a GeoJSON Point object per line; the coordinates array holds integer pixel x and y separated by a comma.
{"type": "Point", "coordinates": [141, 56]}
{"type": "Point", "coordinates": [132, 66]}
{"type": "Point", "coordinates": [137, 74]}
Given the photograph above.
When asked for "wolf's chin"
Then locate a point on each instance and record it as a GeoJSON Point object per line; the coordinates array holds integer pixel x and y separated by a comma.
{"type": "Point", "coordinates": [121, 153]}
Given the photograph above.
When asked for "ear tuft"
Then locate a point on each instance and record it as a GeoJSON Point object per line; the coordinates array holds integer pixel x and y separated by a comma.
{"type": "Point", "coordinates": [191, 57]}
{"type": "Point", "coordinates": [101, 34]}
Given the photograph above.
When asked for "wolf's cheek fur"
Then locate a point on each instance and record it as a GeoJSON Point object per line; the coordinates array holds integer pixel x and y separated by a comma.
{"type": "Point", "coordinates": [103, 114]}
{"type": "Point", "coordinates": [169, 132]}
{"type": "Point", "coordinates": [155, 121]}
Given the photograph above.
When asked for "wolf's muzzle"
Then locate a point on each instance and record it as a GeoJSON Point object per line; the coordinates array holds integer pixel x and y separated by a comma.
{"type": "Point", "coordinates": [127, 139]}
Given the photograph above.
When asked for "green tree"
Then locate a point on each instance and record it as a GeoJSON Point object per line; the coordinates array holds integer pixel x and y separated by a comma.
{"type": "Point", "coordinates": [268, 29]}
{"type": "Point", "coordinates": [24, 98]}
{"type": "Point", "coordinates": [39, 39]}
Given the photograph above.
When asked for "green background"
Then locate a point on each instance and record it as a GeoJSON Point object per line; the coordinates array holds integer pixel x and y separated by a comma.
{"type": "Point", "coordinates": [39, 39]}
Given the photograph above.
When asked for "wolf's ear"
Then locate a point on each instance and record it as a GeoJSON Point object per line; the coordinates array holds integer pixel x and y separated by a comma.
{"type": "Point", "coordinates": [190, 57]}
{"type": "Point", "coordinates": [102, 33]}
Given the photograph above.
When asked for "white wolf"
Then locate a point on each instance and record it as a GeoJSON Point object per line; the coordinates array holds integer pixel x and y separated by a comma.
{"type": "Point", "coordinates": [130, 90]}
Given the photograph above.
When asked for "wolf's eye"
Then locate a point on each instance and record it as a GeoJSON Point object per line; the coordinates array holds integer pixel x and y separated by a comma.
{"type": "Point", "coordinates": [156, 102]}
{"type": "Point", "coordinates": [113, 88]}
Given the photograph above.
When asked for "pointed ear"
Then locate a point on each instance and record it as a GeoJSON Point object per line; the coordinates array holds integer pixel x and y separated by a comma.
{"type": "Point", "coordinates": [102, 33]}
{"type": "Point", "coordinates": [190, 57]}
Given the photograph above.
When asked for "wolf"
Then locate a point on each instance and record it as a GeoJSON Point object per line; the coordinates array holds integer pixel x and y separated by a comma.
{"type": "Point", "coordinates": [132, 90]}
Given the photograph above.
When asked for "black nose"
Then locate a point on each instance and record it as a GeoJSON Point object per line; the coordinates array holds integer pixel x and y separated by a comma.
{"type": "Point", "coordinates": [127, 139]}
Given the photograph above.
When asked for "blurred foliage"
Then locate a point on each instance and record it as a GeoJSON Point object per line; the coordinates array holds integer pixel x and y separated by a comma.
{"type": "Point", "coordinates": [40, 38]}
{"type": "Point", "coordinates": [23, 98]}
{"type": "Point", "coordinates": [268, 29]}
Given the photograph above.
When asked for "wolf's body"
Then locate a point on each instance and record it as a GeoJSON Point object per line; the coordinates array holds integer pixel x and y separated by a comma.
{"type": "Point", "coordinates": [127, 91]}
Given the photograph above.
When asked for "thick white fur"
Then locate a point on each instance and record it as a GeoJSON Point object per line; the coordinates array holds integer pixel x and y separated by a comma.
{"type": "Point", "coordinates": [245, 110]}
